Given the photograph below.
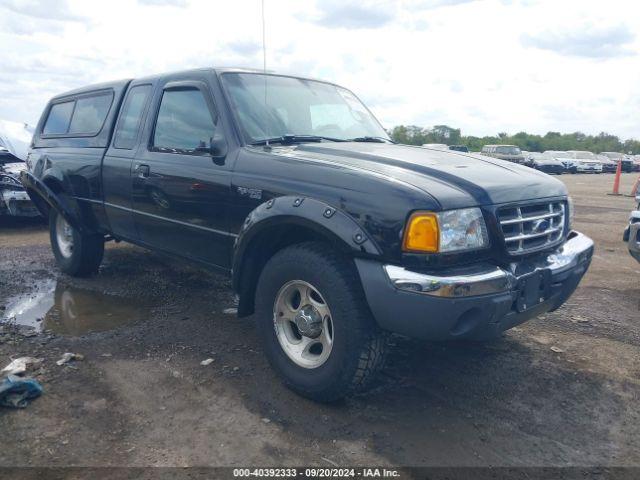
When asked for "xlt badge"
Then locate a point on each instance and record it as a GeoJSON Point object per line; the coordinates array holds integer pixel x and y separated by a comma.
{"type": "Point", "coordinates": [254, 193]}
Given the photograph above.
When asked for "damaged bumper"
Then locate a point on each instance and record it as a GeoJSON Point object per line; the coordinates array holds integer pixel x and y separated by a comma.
{"type": "Point", "coordinates": [473, 303]}
{"type": "Point", "coordinates": [14, 199]}
{"type": "Point", "coordinates": [632, 235]}
{"type": "Point", "coordinates": [17, 203]}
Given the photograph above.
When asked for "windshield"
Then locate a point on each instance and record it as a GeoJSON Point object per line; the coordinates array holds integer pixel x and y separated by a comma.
{"type": "Point", "coordinates": [555, 154]}
{"type": "Point", "coordinates": [297, 107]}
{"type": "Point", "coordinates": [508, 150]}
{"type": "Point", "coordinates": [585, 155]}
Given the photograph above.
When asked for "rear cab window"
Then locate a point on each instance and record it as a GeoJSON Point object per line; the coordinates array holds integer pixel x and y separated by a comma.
{"type": "Point", "coordinates": [59, 118]}
{"type": "Point", "coordinates": [129, 124]}
{"type": "Point", "coordinates": [81, 116]}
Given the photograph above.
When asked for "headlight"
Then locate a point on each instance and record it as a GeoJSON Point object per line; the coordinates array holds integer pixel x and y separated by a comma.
{"type": "Point", "coordinates": [451, 231]}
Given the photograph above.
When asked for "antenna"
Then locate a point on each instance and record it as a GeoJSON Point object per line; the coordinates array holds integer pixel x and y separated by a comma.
{"type": "Point", "coordinates": [264, 71]}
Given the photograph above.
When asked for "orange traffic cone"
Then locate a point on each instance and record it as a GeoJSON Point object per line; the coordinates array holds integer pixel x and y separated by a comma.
{"type": "Point", "coordinates": [616, 181]}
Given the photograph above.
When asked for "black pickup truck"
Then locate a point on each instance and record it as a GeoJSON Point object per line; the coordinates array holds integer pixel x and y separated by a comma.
{"type": "Point", "coordinates": [333, 234]}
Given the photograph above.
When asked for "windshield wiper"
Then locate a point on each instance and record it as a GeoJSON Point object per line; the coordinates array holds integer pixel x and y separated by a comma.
{"type": "Point", "coordinates": [291, 139]}
{"type": "Point", "coordinates": [370, 139]}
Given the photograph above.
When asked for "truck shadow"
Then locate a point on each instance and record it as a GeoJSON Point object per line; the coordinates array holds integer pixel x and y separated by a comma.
{"type": "Point", "coordinates": [509, 402]}
{"type": "Point", "coordinates": [504, 403]}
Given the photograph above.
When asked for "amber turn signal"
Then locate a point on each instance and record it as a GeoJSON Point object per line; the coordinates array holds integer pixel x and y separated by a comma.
{"type": "Point", "coordinates": [422, 233]}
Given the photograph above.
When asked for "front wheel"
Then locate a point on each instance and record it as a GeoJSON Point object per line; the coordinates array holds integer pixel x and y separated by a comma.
{"type": "Point", "coordinates": [77, 254]}
{"type": "Point", "coordinates": [316, 327]}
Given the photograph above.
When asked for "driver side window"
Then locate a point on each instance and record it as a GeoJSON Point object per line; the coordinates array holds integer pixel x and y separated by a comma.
{"type": "Point", "coordinates": [184, 121]}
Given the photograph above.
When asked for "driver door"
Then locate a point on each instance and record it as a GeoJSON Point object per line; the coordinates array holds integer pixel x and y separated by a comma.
{"type": "Point", "coordinates": [180, 194]}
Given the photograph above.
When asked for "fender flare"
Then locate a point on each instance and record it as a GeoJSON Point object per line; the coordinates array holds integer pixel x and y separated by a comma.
{"type": "Point", "coordinates": [327, 220]}
{"type": "Point", "coordinates": [37, 188]}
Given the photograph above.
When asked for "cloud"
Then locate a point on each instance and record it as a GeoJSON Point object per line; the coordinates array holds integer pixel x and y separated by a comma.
{"type": "Point", "coordinates": [353, 14]}
{"type": "Point", "coordinates": [165, 3]}
{"type": "Point", "coordinates": [244, 47]}
{"type": "Point", "coordinates": [27, 26]}
{"type": "Point", "coordinates": [45, 9]}
{"type": "Point", "coordinates": [418, 62]}
{"type": "Point", "coordinates": [429, 4]}
{"type": "Point", "coordinates": [584, 41]}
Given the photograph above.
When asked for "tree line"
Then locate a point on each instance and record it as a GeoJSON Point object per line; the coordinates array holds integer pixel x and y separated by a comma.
{"type": "Point", "coordinates": [603, 142]}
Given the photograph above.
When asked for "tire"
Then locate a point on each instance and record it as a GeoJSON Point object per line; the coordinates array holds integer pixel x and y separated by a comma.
{"type": "Point", "coordinates": [77, 254]}
{"type": "Point", "coordinates": [358, 346]}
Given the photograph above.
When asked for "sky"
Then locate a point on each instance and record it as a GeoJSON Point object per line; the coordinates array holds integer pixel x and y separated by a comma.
{"type": "Point", "coordinates": [485, 66]}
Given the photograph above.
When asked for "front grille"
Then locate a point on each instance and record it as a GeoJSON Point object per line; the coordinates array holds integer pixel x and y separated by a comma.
{"type": "Point", "coordinates": [528, 228]}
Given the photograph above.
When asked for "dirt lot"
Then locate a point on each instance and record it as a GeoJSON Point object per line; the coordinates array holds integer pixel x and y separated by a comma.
{"type": "Point", "coordinates": [140, 397]}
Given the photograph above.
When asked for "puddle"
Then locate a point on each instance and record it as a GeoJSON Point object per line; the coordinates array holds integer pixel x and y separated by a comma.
{"type": "Point", "coordinates": [68, 310]}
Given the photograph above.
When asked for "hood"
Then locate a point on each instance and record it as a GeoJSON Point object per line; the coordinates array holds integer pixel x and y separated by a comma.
{"type": "Point", "coordinates": [549, 161]}
{"type": "Point", "coordinates": [454, 179]}
{"type": "Point", "coordinates": [15, 138]}
{"type": "Point", "coordinates": [13, 168]}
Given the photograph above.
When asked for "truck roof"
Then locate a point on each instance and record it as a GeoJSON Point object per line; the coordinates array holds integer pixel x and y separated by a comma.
{"type": "Point", "coordinates": [116, 84]}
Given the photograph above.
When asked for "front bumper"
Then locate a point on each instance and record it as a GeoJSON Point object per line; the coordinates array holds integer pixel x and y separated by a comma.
{"type": "Point", "coordinates": [557, 169]}
{"type": "Point", "coordinates": [473, 303]}
{"type": "Point", "coordinates": [589, 169]}
{"type": "Point", "coordinates": [632, 235]}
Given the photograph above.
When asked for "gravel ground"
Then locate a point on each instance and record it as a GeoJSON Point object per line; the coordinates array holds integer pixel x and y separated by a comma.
{"type": "Point", "coordinates": [561, 390]}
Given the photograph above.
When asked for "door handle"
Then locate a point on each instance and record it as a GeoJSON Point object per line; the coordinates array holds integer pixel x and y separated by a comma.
{"type": "Point", "coordinates": [142, 170]}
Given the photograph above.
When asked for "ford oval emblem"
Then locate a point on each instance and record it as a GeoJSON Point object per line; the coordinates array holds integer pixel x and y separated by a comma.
{"type": "Point", "coordinates": [540, 226]}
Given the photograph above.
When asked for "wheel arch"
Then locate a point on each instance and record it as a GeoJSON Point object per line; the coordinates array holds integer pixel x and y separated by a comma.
{"type": "Point", "coordinates": [286, 221]}
{"type": "Point", "coordinates": [46, 193]}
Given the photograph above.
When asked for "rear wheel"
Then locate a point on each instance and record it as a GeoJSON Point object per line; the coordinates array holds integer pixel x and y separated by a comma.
{"type": "Point", "coordinates": [77, 254]}
{"type": "Point", "coordinates": [315, 324]}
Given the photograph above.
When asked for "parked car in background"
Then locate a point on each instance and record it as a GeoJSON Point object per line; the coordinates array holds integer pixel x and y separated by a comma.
{"type": "Point", "coordinates": [632, 233]}
{"type": "Point", "coordinates": [546, 163]}
{"type": "Point", "coordinates": [431, 244]}
{"type": "Point", "coordinates": [528, 157]}
{"type": "Point", "coordinates": [459, 148]}
{"type": "Point", "coordinates": [563, 157]}
{"type": "Point", "coordinates": [511, 153]}
{"type": "Point", "coordinates": [627, 163]}
{"type": "Point", "coordinates": [608, 165]}
{"type": "Point", "coordinates": [436, 146]}
{"type": "Point", "coordinates": [585, 162]}
{"type": "Point", "coordinates": [14, 141]}
{"type": "Point", "coordinates": [636, 163]}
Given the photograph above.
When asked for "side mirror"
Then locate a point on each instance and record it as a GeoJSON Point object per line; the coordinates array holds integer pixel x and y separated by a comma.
{"type": "Point", "coordinates": [217, 148]}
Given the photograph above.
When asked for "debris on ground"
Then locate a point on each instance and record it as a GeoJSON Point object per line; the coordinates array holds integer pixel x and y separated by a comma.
{"type": "Point", "coordinates": [20, 365]}
{"type": "Point", "coordinates": [557, 349]}
{"type": "Point", "coordinates": [68, 356]}
{"type": "Point", "coordinates": [230, 311]}
{"type": "Point", "coordinates": [15, 392]}
{"type": "Point", "coordinates": [329, 461]}
{"type": "Point", "coordinates": [579, 319]}
{"type": "Point", "coordinates": [206, 362]}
